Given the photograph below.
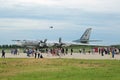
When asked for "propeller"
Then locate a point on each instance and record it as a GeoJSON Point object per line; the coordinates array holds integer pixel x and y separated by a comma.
{"type": "Point", "coordinates": [43, 43]}
{"type": "Point", "coordinates": [60, 44]}
{"type": "Point", "coordinates": [45, 40]}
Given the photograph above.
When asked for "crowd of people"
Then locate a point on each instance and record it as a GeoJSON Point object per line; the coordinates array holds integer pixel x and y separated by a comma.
{"type": "Point", "coordinates": [110, 51]}
{"type": "Point", "coordinates": [15, 51]}
{"type": "Point", "coordinates": [53, 52]}
{"type": "Point", "coordinates": [37, 53]}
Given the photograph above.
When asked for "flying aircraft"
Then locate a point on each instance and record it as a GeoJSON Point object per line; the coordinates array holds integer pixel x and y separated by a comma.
{"type": "Point", "coordinates": [51, 26]}
{"type": "Point", "coordinates": [84, 40]}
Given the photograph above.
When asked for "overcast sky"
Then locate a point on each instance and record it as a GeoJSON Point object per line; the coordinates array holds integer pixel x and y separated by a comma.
{"type": "Point", "coordinates": [31, 19]}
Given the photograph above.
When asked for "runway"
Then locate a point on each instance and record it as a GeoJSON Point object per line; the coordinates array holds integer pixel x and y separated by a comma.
{"type": "Point", "coordinates": [74, 56]}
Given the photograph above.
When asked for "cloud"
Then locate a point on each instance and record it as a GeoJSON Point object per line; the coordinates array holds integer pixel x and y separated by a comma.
{"type": "Point", "coordinates": [93, 5]}
{"type": "Point", "coordinates": [67, 16]}
{"type": "Point", "coordinates": [104, 6]}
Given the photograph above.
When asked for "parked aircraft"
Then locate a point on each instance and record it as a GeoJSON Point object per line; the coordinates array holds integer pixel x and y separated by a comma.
{"type": "Point", "coordinates": [31, 43]}
{"type": "Point", "coordinates": [85, 37]}
{"type": "Point", "coordinates": [84, 40]}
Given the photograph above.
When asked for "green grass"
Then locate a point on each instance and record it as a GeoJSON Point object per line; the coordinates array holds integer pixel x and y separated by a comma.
{"type": "Point", "coordinates": [59, 69]}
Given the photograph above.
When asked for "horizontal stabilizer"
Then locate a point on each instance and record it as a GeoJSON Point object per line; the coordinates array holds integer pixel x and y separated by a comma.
{"type": "Point", "coordinates": [95, 40]}
{"type": "Point", "coordinates": [80, 41]}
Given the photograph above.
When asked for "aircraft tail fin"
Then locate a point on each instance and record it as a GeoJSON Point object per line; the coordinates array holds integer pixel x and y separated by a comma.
{"type": "Point", "coordinates": [45, 40]}
{"type": "Point", "coordinates": [85, 37]}
{"type": "Point", "coordinates": [60, 40]}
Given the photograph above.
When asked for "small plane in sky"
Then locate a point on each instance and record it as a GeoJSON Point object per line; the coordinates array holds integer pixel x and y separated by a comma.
{"type": "Point", "coordinates": [51, 26]}
{"type": "Point", "coordinates": [84, 40]}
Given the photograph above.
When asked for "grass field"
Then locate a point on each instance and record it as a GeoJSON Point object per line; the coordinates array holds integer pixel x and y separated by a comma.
{"type": "Point", "coordinates": [59, 69]}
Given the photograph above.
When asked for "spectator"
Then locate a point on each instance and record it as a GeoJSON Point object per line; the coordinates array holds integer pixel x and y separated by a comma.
{"type": "Point", "coordinates": [80, 51]}
{"type": "Point", "coordinates": [3, 54]}
{"type": "Point", "coordinates": [66, 50]}
{"type": "Point", "coordinates": [71, 51]}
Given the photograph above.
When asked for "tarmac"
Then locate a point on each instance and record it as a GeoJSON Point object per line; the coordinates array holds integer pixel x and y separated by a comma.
{"type": "Point", "coordinates": [73, 56]}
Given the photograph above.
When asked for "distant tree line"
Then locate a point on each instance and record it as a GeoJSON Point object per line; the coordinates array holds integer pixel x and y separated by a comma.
{"type": "Point", "coordinates": [117, 46]}
{"type": "Point", "coordinates": [9, 46]}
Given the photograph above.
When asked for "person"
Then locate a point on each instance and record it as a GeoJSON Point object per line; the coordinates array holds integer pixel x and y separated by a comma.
{"type": "Point", "coordinates": [18, 51]}
{"type": "Point", "coordinates": [59, 52]}
{"type": "Point", "coordinates": [3, 54]}
{"type": "Point", "coordinates": [12, 51]}
{"type": "Point", "coordinates": [110, 54]}
{"type": "Point", "coordinates": [15, 51]}
{"type": "Point", "coordinates": [62, 51]}
{"type": "Point", "coordinates": [80, 51]}
{"type": "Point", "coordinates": [71, 51]}
{"type": "Point", "coordinates": [99, 50]}
{"type": "Point", "coordinates": [102, 52]}
{"type": "Point", "coordinates": [38, 53]}
{"type": "Point", "coordinates": [83, 50]}
{"type": "Point", "coordinates": [113, 52]}
{"type": "Point", "coordinates": [66, 50]}
{"type": "Point", "coordinates": [28, 52]}
{"type": "Point", "coordinates": [46, 50]}
{"type": "Point", "coordinates": [93, 50]}
{"type": "Point", "coordinates": [119, 50]}
{"type": "Point", "coordinates": [35, 52]}
{"type": "Point", "coordinates": [41, 56]}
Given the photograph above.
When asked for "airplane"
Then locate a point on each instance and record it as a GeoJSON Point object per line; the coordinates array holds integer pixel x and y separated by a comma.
{"type": "Point", "coordinates": [51, 26]}
{"type": "Point", "coordinates": [85, 37]}
{"type": "Point", "coordinates": [31, 43]}
{"type": "Point", "coordinates": [84, 40]}
{"type": "Point", "coordinates": [60, 43]}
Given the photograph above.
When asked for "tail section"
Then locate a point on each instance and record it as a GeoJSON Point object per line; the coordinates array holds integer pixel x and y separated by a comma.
{"type": "Point", "coordinates": [85, 37]}
{"type": "Point", "coordinates": [60, 40]}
